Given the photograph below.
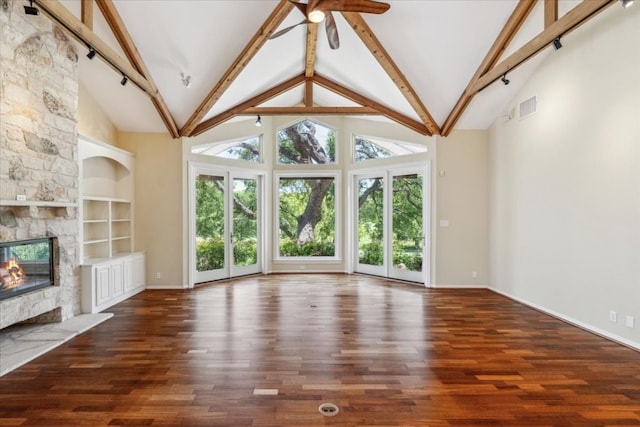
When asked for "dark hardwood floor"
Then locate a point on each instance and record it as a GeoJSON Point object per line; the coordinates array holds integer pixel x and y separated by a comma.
{"type": "Point", "coordinates": [268, 350]}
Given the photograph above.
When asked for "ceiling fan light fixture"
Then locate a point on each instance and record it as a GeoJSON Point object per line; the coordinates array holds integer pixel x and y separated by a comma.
{"type": "Point", "coordinates": [316, 16]}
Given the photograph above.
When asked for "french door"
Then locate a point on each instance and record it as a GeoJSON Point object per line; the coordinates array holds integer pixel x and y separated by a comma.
{"type": "Point", "coordinates": [225, 217]}
{"type": "Point", "coordinates": [391, 222]}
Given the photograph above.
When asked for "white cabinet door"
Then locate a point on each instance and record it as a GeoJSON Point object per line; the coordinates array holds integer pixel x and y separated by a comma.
{"type": "Point", "coordinates": [117, 279]}
{"type": "Point", "coordinates": [138, 271]}
{"type": "Point", "coordinates": [128, 274]}
{"type": "Point", "coordinates": [103, 284]}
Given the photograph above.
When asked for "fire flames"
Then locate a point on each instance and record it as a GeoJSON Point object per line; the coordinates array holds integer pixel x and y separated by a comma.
{"type": "Point", "coordinates": [11, 274]}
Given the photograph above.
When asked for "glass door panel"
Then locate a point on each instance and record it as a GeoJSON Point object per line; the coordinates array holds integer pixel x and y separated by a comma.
{"type": "Point", "coordinates": [244, 236]}
{"type": "Point", "coordinates": [407, 228]}
{"type": "Point", "coordinates": [371, 247]}
{"type": "Point", "coordinates": [390, 220]}
{"type": "Point", "coordinates": [210, 240]}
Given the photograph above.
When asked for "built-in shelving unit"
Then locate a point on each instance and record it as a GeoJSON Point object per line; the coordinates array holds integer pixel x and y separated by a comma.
{"type": "Point", "coordinates": [111, 270]}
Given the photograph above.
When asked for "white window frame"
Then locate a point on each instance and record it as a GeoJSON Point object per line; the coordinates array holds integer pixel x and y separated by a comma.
{"type": "Point", "coordinates": [337, 182]}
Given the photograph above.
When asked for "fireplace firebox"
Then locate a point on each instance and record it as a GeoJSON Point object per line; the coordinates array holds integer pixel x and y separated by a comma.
{"type": "Point", "coordinates": [26, 266]}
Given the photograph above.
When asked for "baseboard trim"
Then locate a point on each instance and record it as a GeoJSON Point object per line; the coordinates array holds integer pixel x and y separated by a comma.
{"type": "Point", "coordinates": [589, 328]}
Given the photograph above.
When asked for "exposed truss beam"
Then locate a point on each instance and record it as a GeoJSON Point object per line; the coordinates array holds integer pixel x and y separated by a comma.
{"type": "Point", "coordinates": [367, 102]}
{"type": "Point", "coordinates": [550, 12]}
{"type": "Point", "coordinates": [573, 19]}
{"type": "Point", "coordinates": [240, 108]}
{"type": "Point", "coordinates": [259, 39]}
{"type": "Point", "coordinates": [312, 43]}
{"type": "Point", "coordinates": [378, 51]}
{"type": "Point", "coordinates": [123, 37]}
{"type": "Point", "coordinates": [84, 34]}
{"type": "Point", "coordinates": [327, 111]}
{"type": "Point", "coordinates": [510, 29]}
{"type": "Point", "coordinates": [86, 12]}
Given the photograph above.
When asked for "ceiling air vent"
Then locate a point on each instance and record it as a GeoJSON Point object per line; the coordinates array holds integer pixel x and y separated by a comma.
{"type": "Point", "coordinates": [527, 107]}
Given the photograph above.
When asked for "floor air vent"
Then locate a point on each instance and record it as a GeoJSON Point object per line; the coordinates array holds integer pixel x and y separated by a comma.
{"type": "Point", "coordinates": [527, 107]}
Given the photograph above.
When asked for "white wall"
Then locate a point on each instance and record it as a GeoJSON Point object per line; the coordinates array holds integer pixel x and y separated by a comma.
{"type": "Point", "coordinates": [565, 182]}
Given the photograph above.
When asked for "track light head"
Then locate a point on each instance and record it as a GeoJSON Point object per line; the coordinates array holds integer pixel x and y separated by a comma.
{"type": "Point", "coordinates": [556, 43]}
{"type": "Point", "coordinates": [505, 80]}
{"type": "Point", "coordinates": [626, 3]}
{"type": "Point", "coordinates": [259, 121]}
{"type": "Point", "coordinates": [92, 53]}
{"type": "Point", "coordinates": [30, 10]}
{"type": "Point", "coordinates": [124, 80]}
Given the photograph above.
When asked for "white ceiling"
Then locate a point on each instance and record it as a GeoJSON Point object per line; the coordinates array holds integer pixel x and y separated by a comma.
{"type": "Point", "coordinates": [437, 44]}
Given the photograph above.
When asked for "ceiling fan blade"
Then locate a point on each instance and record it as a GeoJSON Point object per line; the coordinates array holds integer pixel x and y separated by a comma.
{"type": "Point", "coordinates": [302, 7]}
{"type": "Point", "coordinates": [286, 30]}
{"type": "Point", "coordinates": [332, 31]}
{"type": "Point", "coordinates": [362, 6]}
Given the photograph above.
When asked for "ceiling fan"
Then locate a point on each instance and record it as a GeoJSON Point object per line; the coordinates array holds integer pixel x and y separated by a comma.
{"type": "Point", "coordinates": [316, 11]}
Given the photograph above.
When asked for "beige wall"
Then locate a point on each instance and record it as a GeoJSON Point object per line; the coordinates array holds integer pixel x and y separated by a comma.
{"type": "Point", "coordinates": [565, 182]}
{"type": "Point", "coordinates": [158, 204]}
{"type": "Point", "coordinates": [92, 121]}
{"type": "Point", "coordinates": [462, 174]}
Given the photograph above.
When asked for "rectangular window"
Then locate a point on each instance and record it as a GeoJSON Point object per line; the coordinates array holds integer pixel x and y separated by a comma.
{"type": "Point", "coordinates": [307, 216]}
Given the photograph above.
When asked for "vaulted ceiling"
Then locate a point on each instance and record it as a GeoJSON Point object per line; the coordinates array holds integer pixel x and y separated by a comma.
{"type": "Point", "coordinates": [430, 65]}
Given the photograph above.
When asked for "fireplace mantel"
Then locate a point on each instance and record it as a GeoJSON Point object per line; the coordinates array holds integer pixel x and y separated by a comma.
{"type": "Point", "coordinates": [37, 203]}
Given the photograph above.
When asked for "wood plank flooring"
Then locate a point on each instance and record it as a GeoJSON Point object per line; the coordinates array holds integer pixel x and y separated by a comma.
{"type": "Point", "coordinates": [268, 350]}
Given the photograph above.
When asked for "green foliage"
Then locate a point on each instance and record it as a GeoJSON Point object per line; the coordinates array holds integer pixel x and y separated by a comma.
{"type": "Point", "coordinates": [33, 251]}
{"type": "Point", "coordinates": [290, 248]}
{"type": "Point", "coordinates": [245, 252]}
{"type": "Point", "coordinates": [371, 253]}
{"type": "Point", "coordinates": [209, 254]}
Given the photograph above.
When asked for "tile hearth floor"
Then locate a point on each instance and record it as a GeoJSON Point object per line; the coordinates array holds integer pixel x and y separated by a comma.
{"type": "Point", "coordinates": [20, 344]}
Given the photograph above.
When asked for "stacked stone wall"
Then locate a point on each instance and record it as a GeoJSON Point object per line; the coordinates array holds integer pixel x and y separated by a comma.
{"type": "Point", "coordinates": [38, 152]}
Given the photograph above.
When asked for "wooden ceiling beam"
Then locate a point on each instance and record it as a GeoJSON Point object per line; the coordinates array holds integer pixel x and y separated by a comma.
{"type": "Point", "coordinates": [302, 110]}
{"type": "Point", "coordinates": [86, 13]}
{"type": "Point", "coordinates": [550, 12]}
{"type": "Point", "coordinates": [312, 43]}
{"type": "Point", "coordinates": [125, 40]}
{"type": "Point", "coordinates": [256, 100]}
{"type": "Point", "coordinates": [308, 93]}
{"type": "Point", "coordinates": [412, 124]}
{"type": "Point", "coordinates": [572, 20]}
{"type": "Point", "coordinates": [506, 35]}
{"type": "Point", "coordinates": [82, 33]}
{"type": "Point", "coordinates": [259, 39]}
{"type": "Point", "coordinates": [377, 50]}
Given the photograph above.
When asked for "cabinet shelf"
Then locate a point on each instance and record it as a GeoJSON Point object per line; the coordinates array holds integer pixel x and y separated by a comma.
{"type": "Point", "coordinates": [96, 221]}
{"type": "Point", "coordinates": [93, 242]}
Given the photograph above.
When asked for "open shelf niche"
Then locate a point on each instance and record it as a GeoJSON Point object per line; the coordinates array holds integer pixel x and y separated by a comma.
{"type": "Point", "coordinates": [111, 271]}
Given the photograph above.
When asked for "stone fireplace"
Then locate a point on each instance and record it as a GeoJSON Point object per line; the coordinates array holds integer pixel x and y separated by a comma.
{"type": "Point", "coordinates": [39, 179]}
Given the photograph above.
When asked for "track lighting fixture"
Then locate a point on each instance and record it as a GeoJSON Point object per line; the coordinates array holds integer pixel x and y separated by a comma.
{"type": "Point", "coordinates": [626, 3]}
{"type": "Point", "coordinates": [92, 53]}
{"type": "Point", "coordinates": [259, 121]}
{"type": "Point", "coordinates": [556, 43]}
{"type": "Point", "coordinates": [124, 80]}
{"type": "Point", "coordinates": [505, 80]}
{"type": "Point", "coordinates": [30, 10]}
{"type": "Point", "coordinates": [186, 80]}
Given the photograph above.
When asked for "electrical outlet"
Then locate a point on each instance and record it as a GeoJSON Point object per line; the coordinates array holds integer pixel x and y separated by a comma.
{"type": "Point", "coordinates": [613, 316]}
{"type": "Point", "coordinates": [21, 197]}
{"type": "Point", "coordinates": [158, 275]}
{"type": "Point", "coordinates": [630, 322]}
